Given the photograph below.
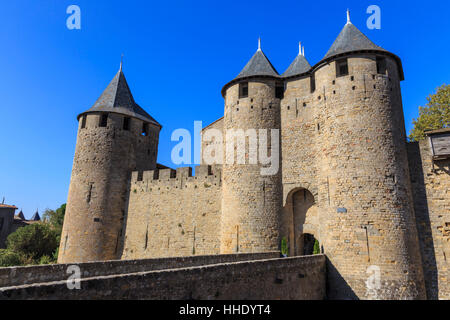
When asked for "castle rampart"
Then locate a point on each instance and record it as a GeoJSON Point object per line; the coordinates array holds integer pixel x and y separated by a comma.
{"type": "Point", "coordinates": [173, 213]}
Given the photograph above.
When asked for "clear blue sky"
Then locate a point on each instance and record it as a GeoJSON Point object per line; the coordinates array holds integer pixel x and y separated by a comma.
{"type": "Point", "coordinates": [178, 55]}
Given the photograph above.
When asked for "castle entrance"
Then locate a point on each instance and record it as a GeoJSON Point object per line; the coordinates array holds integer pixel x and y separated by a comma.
{"type": "Point", "coordinates": [300, 222]}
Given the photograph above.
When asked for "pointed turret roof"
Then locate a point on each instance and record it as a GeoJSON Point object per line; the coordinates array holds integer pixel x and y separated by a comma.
{"type": "Point", "coordinates": [299, 65]}
{"type": "Point", "coordinates": [258, 65]}
{"type": "Point", "coordinates": [351, 39]}
{"type": "Point", "coordinates": [36, 217]}
{"type": "Point", "coordinates": [117, 98]}
{"type": "Point", "coordinates": [20, 215]}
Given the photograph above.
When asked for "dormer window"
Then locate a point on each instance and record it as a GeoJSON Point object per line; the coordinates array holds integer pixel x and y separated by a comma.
{"type": "Point", "coordinates": [126, 124]}
{"type": "Point", "coordinates": [279, 91]}
{"type": "Point", "coordinates": [145, 129]}
{"type": "Point", "coordinates": [341, 68]}
{"type": "Point", "coordinates": [381, 65]}
{"type": "Point", "coordinates": [103, 122]}
{"type": "Point", "coordinates": [243, 90]}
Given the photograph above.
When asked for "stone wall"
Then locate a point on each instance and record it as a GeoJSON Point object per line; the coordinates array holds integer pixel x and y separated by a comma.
{"type": "Point", "coordinates": [103, 162]}
{"type": "Point", "coordinates": [364, 194]}
{"type": "Point", "coordinates": [172, 213]}
{"type": "Point", "coordinates": [300, 149]}
{"type": "Point", "coordinates": [16, 276]}
{"type": "Point", "coordinates": [299, 278]}
{"type": "Point", "coordinates": [431, 190]}
{"type": "Point", "coordinates": [251, 201]}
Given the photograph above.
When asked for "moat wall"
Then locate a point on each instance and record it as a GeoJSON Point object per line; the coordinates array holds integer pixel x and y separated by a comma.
{"type": "Point", "coordinates": [300, 278]}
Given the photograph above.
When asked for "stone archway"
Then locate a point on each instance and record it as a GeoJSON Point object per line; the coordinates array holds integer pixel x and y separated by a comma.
{"type": "Point", "coordinates": [300, 221]}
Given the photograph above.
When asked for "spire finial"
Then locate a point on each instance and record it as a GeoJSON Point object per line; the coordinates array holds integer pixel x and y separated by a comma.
{"type": "Point", "coordinates": [348, 16]}
{"type": "Point", "coordinates": [259, 44]}
{"type": "Point", "coordinates": [121, 62]}
{"type": "Point", "coordinates": [303, 53]}
{"type": "Point", "coordinates": [300, 48]}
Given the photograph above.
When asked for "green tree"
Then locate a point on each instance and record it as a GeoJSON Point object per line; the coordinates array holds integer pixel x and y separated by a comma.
{"type": "Point", "coordinates": [284, 247]}
{"type": "Point", "coordinates": [34, 241]}
{"type": "Point", "coordinates": [435, 115]}
{"type": "Point", "coordinates": [316, 249]}
{"type": "Point", "coordinates": [55, 217]}
{"type": "Point", "coordinates": [10, 258]}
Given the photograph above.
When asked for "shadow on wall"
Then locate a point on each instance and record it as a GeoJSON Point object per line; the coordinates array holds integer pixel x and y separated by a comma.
{"type": "Point", "coordinates": [423, 223]}
{"type": "Point", "coordinates": [340, 289]}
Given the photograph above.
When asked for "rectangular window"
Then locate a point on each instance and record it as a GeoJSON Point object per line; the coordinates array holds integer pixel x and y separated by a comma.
{"type": "Point", "coordinates": [126, 124]}
{"type": "Point", "coordinates": [1, 223]}
{"type": "Point", "coordinates": [83, 122]}
{"type": "Point", "coordinates": [145, 129]}
{"type": "Point", "coordinates": [243, 90]}
{"type": "Point", "coordinates": [313, 83]}
{"type": "Point", "coordinates": [103, 120]}
{"type": "Point", "coordinates": [341, 68]}
{"type": "Point", "coordinates": [381, 65]}
{"type": "Point", "coordinates": [279, 91]}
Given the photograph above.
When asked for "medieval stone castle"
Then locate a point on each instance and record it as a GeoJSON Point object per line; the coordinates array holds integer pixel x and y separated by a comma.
{"type": "Point", "coordinates": [348, 179]}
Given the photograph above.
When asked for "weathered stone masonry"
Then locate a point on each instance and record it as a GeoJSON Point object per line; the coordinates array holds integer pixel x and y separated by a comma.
{"type": "Point", "coordinates": [346, 178]}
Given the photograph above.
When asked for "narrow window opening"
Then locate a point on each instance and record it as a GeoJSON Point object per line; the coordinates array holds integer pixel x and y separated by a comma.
{"type": "Point", "coordinates": [381, 65]}
{"type": "Point", "coordinates": [146, 239]}
{"type": "Point", "coordinates": [103, 120]}
{"type": "Point", "coordinates": [341, 68]}
{"type": "Point", "coordinates": [313, 83]}
{"type": "Point", "coordinates": [83, 122]}
{"type": "Point", "coordinates": [279, 91]}
{"type": "Point", "coordinates": [126, 124]}
{"type": "Point", "coordinates": [89, 196]}
{"type": "Point", "coordinates": [1, 223]}
{"type": "Point", "coordinates": [243, 90]}
{"type": "Point", "coordinates": [145, 129]}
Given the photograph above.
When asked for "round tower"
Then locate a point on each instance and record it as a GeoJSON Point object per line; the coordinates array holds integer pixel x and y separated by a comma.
{"type": "Point", "coordinates": [115, 137]}
{"type": "Point", "coordinates": [251, 196]}
{"type": "Point", "coordinates": [368, 225]}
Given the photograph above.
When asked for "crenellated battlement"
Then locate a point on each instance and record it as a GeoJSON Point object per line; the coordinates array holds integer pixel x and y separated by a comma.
{"type": "Point", "coordinates": [205, 176]}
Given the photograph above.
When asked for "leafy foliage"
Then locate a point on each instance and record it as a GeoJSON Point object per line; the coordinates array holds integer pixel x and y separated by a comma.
{"type": "Point", "coordinates": [435, 115]}
{"type": "Point", "coordinates": [316, 249]}
{"type": "Point", "coordinates": [37, 243]}
{"type": "Point", "coordinates": [34, 241]}
{"type": "Point", "coordinates": [284, 247]}
{"type": "Point", "coordinates": [55, 218]}
{"type": "Point", "coordinates": [10, 258]}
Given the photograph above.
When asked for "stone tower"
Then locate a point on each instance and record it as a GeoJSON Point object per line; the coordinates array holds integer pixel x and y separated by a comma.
{"type": "Point", "coordinates": [115, 137]}
{"type": "Point", "coordinates": [365, 202]}
{"type": "Point", "coordinates": [251, 200]}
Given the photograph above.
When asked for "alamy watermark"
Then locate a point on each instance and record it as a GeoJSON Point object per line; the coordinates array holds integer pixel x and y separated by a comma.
{"type": "Point", "coordinates": [234, 146]}
{"type": "Point", "coordinates": [73, 22]}
{"type": "Point", "coordinates": [374, 21]}
{"type": "Point", "coordinates": [373, 283]}
{"type": "Point", "coordinates": [74, 280]}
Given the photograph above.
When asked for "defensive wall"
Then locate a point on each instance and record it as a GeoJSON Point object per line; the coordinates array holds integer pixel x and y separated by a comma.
{"type": "Point", "coordinates": [173, 213]}
{"type": "Point", "coordinates": [300, 278]}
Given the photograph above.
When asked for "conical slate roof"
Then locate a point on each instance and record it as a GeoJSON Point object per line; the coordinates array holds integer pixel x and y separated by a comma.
{"type": "Point", "coordinates": [117, 98]}
{"type": "Point", "coordinates": [20, 215]}
{"type": "Point", "coordinates": [36, 217]}
{"type": "Point", "coordinates": [351, 39]}
{"type": "Point", "coordinates": [298, 66]}
{"type": "Point", "coordinates": [258, 65]}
